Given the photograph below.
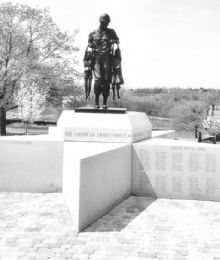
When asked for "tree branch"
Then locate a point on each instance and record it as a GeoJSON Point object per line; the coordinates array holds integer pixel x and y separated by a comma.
{"type": "Point", "coordinates": [10, 108]}
{"type": "Point", "coordinates": [51, 52]}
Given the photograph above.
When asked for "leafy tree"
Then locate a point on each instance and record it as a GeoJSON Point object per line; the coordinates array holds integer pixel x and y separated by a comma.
{"type": "Point", "coordinates": [31, 98]}
{"type": "Point", "coordinates": [32, 44]}
{"type": "Point", "coordinates": [187, 115]}
{"type": "Point", "coordinates": [212, 97]}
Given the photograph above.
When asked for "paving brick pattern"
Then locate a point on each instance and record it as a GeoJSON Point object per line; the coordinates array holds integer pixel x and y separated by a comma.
{"type": "Point", "coordinates": [39, 226]}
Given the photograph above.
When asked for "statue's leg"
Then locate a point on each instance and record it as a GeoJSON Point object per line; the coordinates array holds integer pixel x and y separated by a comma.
{"type": "Point", "coordinates": [86, 87]}
{"type": "Point", "coordinates": [86, 82]}
{"type": "Point", "coordinates": [118, 89]}
{"type": "Point", "coordinates": [97, 101]}
{"type": "Point", "coordinates": [113, 91]}
{"type": "Point", "coordinates": [97, 83]}
{"type": "Point", "coordinates": [105, 99]}
{"type": "Point", "coordinates": [89, 86]}
{"type": "Point", "coordinates": [105, 93]}
{"type": "Point", "coordinates": [106, 81]}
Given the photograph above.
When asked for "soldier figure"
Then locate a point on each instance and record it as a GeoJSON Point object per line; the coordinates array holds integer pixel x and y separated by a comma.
{"type": "Point", "coordinates": [101, 41]}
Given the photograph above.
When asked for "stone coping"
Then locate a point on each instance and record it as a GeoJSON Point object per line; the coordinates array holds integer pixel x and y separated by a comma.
{"type": "Point", "coordinates": [110, 110]}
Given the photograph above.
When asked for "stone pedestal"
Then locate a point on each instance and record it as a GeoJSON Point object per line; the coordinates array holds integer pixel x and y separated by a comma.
{"type": "Point", "coordinates": [104, 127]}
{"type": "Point", "coordinates": [97, 160]}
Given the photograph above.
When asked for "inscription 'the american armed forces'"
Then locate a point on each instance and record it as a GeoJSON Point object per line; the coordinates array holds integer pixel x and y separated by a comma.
{"type": "Point", "coordinates": [100, 135]}
{"type": "Point", "coordinates": [97, 135]}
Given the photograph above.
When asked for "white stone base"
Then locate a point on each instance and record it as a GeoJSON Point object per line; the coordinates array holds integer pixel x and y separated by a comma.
{"type": "Point", "coordinates": [30, 164]}
{"type": "Point", "coordinates": [167, 134]}
{"type": "Point", "coordinates": [98, 127]}
{"type": "Point", "coordinates": [96, 177]}
{"type": "Point", "coordinates": [176, 169]}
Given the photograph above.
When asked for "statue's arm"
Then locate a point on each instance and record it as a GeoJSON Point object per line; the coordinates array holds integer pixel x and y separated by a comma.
{"type": "Point", "coordinates": [114, 37]}
{"type": "Point", "coordinates": [91, 40]}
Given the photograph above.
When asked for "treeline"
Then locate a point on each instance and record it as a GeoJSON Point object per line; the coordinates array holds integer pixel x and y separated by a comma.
{"type": "Point", "coordinates": [161, 102]}
{"type": "Point", "coordinates": [184, 106]}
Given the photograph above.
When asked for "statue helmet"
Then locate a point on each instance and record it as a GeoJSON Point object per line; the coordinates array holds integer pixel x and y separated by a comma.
{"type": "Point", "coordinates": [104, 17]}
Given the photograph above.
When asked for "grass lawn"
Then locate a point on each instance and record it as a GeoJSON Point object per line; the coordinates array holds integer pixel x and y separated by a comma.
{"type": "Point", "coordinates": [18, 129]}
{"type": "Point", "coordinates": [160, 123]}
{"type": "Point", "coordinates": [51, 114]}
{"type": "Point", "coordinates": [157, 123]}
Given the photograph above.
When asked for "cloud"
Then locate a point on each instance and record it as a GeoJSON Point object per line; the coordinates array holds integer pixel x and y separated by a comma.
{"type": "Point", "coordinates": [205, 13]}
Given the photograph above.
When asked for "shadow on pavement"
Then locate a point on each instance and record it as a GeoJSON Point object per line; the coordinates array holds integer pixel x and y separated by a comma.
{"type": "Point", "coordinates": [122, 215]}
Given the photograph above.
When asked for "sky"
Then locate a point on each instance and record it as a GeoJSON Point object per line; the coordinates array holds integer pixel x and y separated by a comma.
{"type": "Point", "coordinates": [164, 43]}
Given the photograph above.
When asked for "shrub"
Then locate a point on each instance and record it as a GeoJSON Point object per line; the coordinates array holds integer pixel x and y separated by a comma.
{"type": "Point", "coordinates": [187, 115]}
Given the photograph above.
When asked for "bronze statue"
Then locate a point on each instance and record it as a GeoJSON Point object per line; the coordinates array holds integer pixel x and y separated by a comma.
{"type": "Point", "coordinates": [102, 59]}
{"type": "Point", "coordinates": [88, 67]}
{"type": "Point", "coordinates": [117, 78]}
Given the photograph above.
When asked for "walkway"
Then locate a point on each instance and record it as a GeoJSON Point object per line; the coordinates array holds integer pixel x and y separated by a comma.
{"type": "Point", "coordinates": [38, 226]}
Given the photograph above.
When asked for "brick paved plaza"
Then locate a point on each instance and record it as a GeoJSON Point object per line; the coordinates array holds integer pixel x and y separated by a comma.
{"type": "Point", "coordinates": [38, 226]}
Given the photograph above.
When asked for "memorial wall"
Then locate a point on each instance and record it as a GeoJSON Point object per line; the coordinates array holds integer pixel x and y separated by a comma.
{"type": "Point", "coordinates": [176, 169]}
{"type": "Point", "coordinates": [96, 177]}
{"type": "Point", "coordinates": [30, 164]}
